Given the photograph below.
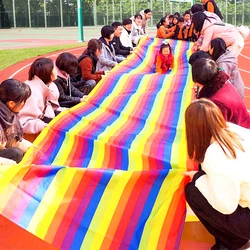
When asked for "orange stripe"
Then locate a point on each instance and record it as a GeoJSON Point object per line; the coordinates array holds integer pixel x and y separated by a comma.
{"type": "Point", "coordinates": [172, 217]}
{"type": "Point", "coordinates": [62, 209]}
{"type": "Point", "coordinates": [79, 191]}
{"type": "Point", "coordinates": [119, 212]}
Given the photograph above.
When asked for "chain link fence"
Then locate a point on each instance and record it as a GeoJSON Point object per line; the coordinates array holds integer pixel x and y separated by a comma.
{"type": "Point", "coordinates": [63, 13]}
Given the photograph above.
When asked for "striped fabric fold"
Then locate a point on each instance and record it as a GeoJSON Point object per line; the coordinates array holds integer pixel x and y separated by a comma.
{"type": "Point", "coordinates": [107, 174]}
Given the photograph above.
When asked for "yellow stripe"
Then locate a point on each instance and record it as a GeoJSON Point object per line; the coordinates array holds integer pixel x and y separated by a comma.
{"type": "Point", "coordinates": [138, 148]}
{"type": "Point", "coordinates": [138, 145]}
{"type": "Point", "coordinates": [85, 122]}
{"type": "Point", "coordinates": [8, 173]}
{"type": "Point", "coordinates": [7, 186]}
{"type": "Point", "coordinates": [105, 210]}
{"type": "Point", "coordinates": [147, 60]}
{"type": "Point", "coordinates": [115, 127]}
{"type": "Point", "coordinates": [153, 226]}
{"type": "Point", "coordinates": [52, 199]}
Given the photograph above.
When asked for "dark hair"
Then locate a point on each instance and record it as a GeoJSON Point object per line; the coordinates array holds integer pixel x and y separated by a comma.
{"type": "Point", "coordinates": [42, 68]}
{"type": "Point", "coordinates": [107, 31]}
{"type": "Point", "coordinates": [197, 7]}
{"type": "Point", "coordinates": [180, 20]}
{"type": "Point", "coordinates": [171, 16]}
{"type": "Point", "coordinates": [166, 45]}
{"type": "Point", "coordinates": [198, 20]}
{"type": "Point", "coordinates": [187, 12]}
{"type": "Point", "coordinates": [67, 63]}
{"type": "Point", "coordinates": [175, 17]}
{"type": "Point", "coordinates": [127, 21]}
{"type": "Point", "coordinates": [219, 46]}
{"type": "Point", "coordinates": [138, 15]}
{"type": "Point", "coordinates": [93, 45]}
{"type": "Point", "coordinates": [163, 20]}
{"type": "Point", "coordinates": [116, 24]}
{"type": "Point", "coordinates": [177, 14]}
{"type": "Point", "coordinates": [146, 11]}
{"type": "Point", "coordinates": [204, 70]}
{"type": "Point", "coordinates": [14, 90]}
{"type": "Point", "coordinates": [197, 55]}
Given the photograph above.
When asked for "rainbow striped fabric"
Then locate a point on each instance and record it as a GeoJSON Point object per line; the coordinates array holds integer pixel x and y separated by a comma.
{"type": "Point", "coordinates": [107, 174]}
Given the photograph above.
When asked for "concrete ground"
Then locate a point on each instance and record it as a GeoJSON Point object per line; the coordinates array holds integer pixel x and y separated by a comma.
{"type": "Point", "coordinates": [35, 37]}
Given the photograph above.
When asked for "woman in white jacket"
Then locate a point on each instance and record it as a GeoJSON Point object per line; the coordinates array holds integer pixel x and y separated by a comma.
{"type": "Point", "coordinates": [219, 194]}
{"type": "Point", "coordinates": [136, 32]}
{"type": "Point", "coordinates": [126, 38]}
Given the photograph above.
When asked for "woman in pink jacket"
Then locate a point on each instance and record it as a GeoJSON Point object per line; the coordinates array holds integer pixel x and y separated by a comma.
{"type": "Point", "coordinates": [208, 28]}
{"type": "Point", "coordinates": [42, 106]}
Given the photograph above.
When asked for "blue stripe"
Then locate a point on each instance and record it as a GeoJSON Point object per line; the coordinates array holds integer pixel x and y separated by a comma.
{"type": "Point", "coordinates": [91, 209]}
{"type": "Point", "coordinates": [53, 150]}
{"type": "Point", "coordinates": [39, 194]}
{"type": "Point", "coordinates": [176, 106]}
{"type": "Point", "coordinates": [111, 117]}
{"type": "Point", "coordinates": [148, 206]}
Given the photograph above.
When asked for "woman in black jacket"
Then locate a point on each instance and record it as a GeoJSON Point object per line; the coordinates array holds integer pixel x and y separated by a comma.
{"type": "Point", "coordinates": [67, 64]}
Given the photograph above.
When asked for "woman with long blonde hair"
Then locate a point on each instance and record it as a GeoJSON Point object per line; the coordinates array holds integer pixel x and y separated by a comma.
{"type": "Point", "coordinates": [219, 194]}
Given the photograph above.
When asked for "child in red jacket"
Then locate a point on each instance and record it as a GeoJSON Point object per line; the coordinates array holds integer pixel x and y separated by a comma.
{"type": "Point", "coordinates": [164, 59]}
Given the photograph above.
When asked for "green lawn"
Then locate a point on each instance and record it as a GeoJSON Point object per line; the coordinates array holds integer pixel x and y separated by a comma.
{"type": "Point", "coordinates": [10, 57]}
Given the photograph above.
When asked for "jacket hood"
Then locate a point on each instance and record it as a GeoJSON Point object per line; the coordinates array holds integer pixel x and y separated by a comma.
{"type": "Point", "coordinates": [6, 114]}
{"type": "Point", "coordinates": [227, 57]}
{"type": "Point", "coordinates": [61, 74]}
{"type": "Point", "coordinates": [214, 85]}
{"type": "Point", "coordinates": [9, 123]}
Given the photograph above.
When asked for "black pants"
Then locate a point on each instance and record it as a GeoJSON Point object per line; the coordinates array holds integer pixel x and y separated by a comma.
{"type": "Point", "coordinates": [231, 231]}
{"type": "Point", "coordinates": [14, 154]}
{"type": "Point", "coordinates": [48, 120]}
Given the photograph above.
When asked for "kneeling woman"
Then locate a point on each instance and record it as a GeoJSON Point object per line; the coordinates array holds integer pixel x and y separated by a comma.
{"type": "Point", "coordinates": [214, 85]}
{"type": "Point", "coordinates": [13, 95]}
{"type": "Point", "coordinates": [219, 194]}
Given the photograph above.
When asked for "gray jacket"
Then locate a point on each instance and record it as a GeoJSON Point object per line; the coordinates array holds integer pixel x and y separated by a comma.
{"type": "Point", "coordinates": [229, 63]}
{"type": "Point", "coordinates": [107, 59]}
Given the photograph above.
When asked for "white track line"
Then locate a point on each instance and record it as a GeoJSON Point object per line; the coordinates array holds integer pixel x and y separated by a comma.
{"type": "Point", "coordinates": [31, 63]}
{"type": "Point", "coordinates": [246, 71]}
{"type": "Point", "coordinates": [20, 70]}
{"type": "Point", "coordinates": [245, 56]}
{"type": "Point", "coordinates": [247, 87]}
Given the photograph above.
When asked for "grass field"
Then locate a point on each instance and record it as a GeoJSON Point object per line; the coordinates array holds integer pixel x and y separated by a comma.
{"type": "Point", "coordinates": [10, 57]}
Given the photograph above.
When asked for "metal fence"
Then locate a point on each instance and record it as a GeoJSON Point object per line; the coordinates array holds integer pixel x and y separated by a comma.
{"type": "Point", "coordinates": [63, 13]}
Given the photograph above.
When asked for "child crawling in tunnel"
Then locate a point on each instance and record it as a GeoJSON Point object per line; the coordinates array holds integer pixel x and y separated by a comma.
{"type": "Point", "coordinates": [164, 59]}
